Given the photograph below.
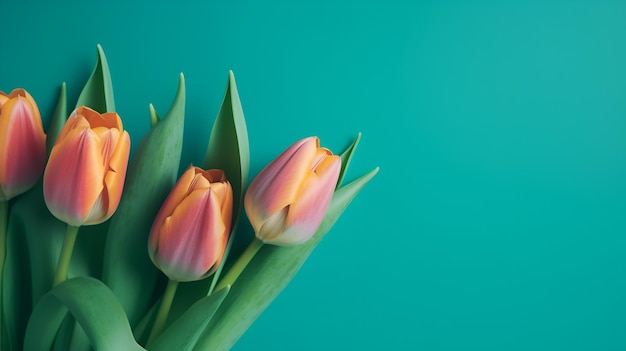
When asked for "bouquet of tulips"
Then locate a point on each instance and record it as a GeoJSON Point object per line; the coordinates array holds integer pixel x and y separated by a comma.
{"type": "Point", "coordinates": [101, 251]}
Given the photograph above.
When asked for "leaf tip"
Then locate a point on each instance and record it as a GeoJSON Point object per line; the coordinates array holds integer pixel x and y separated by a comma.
{"type": "Point", "coordinates": [154, 116]}
{"type": "Point", "coordinates": [181, 82]}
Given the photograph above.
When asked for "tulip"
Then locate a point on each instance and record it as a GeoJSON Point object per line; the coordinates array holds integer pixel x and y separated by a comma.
{"type": "Point", "coordinates": [190, 232]}
{"type": "Point", "coordinates": [22, 144]}
{"type": "Point", "coordinates": [287, 200]}
{"type": "Point", "coordinates": [85, 174]}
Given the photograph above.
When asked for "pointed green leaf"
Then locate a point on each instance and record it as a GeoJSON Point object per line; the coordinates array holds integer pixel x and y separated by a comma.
{"type": "Point", "coordinates": [267, 275]}
{"type": "Point", "coordinates": [58, 119]}
{"type": "Point", "coordinates": [128, 270]}
{"type": "Point", "coordinates": [154, 116]}
{"type": "Point", "coordinates": [346, 157]}
{"type": "Point", "coordinates": [93, 306]}
{"type": "Point", "coordinates": [183, 334]}
{"type": "Point", "coordinates": [228, 147]}
{"type": "Point", "coordinates": [98, 92]}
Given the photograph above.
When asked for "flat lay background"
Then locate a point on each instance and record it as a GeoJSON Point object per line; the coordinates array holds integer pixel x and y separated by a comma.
{"type": "Point", "coordinates": [497, 221]}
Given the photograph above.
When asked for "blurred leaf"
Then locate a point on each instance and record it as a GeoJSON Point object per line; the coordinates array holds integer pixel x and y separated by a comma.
{"type": "Point", "coordinates": [183, 334]}
{"type": "Point", "coordinates": [98, 91]}
{"type": "Point", "coordinates": [267, 275]}
{"type": "Point", "coordinates": [93, 306]}
{"type": "Point", "coordinates": [58, 119]}
{"type": "Point", "coordinates": [228, 150]}
{"type": "Point", "coordinates": [346, 157]}
{"type": "Point", "coordinates": [128, 270]}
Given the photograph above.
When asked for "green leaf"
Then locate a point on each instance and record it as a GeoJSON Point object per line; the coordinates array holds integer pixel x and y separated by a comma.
{"type": "Point", "coordinates": [228, 150]}
{"type": "Point", "coordinates": [94, 307]}
{"type": "Point", "coordinates": [183, 334]}
{"type": "Point", "coordinates": [128, 270]}
{"type": "Point", "coordinates": [35, 238]}
{"type": "Point", "coordinates": [98, 92]}
{"type": "Point", "coordinates": [346, 157]}
{"type": "Point", "coordinates": [267, 275]}
{"type": "Point", "coordinates": [228, 147]}
{"type": "Point", "coordinates": [58, 119]}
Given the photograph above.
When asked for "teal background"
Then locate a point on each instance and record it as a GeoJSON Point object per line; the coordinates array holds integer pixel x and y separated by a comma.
{"type": "Point", "coordinates": [497, 220]}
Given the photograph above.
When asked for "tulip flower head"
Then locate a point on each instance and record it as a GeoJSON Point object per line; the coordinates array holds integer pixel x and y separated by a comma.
{"type": "Point", "coordinates": [22, 143]}
{"type": "Point", "coordinates": [190, 233]}
{"type": "Point", "coordinates": [287, 200]}
{"type": "Point", "coordinates": [85, 174]}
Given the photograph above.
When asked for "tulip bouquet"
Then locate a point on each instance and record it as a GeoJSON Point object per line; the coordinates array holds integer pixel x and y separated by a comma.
{"type": "Point", "coordinates": [102, 251]}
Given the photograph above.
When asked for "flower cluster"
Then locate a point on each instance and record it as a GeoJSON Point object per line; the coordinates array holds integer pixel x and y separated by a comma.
{"type": "Point", "coordinates": [83, 183]}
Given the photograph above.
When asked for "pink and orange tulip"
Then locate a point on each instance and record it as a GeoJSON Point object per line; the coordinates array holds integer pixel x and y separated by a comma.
{"type": "Point", "coordinates": [190, 233]}
{"type": "Point", "coordinates": [22, 143]}
{"type": "Point", "coordinates": [287, 200]}
{"type": "Point", "coordinates": [85, 174]}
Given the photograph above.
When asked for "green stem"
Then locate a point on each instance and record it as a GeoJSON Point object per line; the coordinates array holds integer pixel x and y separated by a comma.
{"type": "Point", "coordinates": [66, 254]}
{"type": "Point", "coordinates": [4, 224]}
{"type": "Point", "coordinates": [164, 310]}
{"type": "Point", "coordinates": [240, 264]}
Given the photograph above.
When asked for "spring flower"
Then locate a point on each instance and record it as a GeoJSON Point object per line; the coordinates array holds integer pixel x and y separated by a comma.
{"type": "Point", "coordinates": [287, 200]}
{"type": "Point", "coordinates": [85, 174]}
{"type": "Point", "coordinates": [190, 233]}
{"type": "Point", "coordinates": [22, 143]}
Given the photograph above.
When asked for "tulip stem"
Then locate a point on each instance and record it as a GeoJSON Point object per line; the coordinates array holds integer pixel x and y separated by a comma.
{"type": "Point", "coordinates": [66, 254]}
{"type": "Point", "coordinates": [164, 310]}
{"type": "Point", "coordinates": [241, 263]}
{"type": "Point", "coordinates": [4, 224]}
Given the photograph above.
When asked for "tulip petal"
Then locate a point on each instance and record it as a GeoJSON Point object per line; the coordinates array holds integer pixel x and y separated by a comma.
{"type": "Point", "coordinates": [192, 240]}
{"type": "Point", "coordinates": [22, 156]}
{"type": "Point", "coordinates": [114, 179]}
{"type": "Point", "coordinates": [3, 99]}
{"type": "Point", "coordinates": [73, 180]}
{"type": "Point", "coordinates": [273, 226]}
{"type": "Point", "coordinates": [278, 184]}
{"type": "Point", "coordinates": [110, 120]}
{"type": "Point", "coordinates": [74, 122]}
{"type": "Point", "coordinates": [306, 214]}
{"type": "Point", "coordinates": [113, 147]}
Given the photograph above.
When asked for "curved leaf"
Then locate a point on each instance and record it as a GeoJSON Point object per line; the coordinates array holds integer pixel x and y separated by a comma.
{"type": "Point", "coordinates": [183, 334]}
{"type": "Point", "coordinates": [94, 307]}
{"type": "Point", "coordinates": [266, 276]}
{"type": "Point", "coordinates": [98, 91]}
{"type": "Point", "coordinates": [128, 270]}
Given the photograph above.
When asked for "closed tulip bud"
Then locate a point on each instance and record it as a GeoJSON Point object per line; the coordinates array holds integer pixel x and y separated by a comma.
{"type": "Point", "coordinates": [287, 200]}
{"type": "Point", "coordinates": [85, 174]}
{"type": "Point", "coordinates": [189, 235]}
{"type": "Point", "coordinates": [22, 143]}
